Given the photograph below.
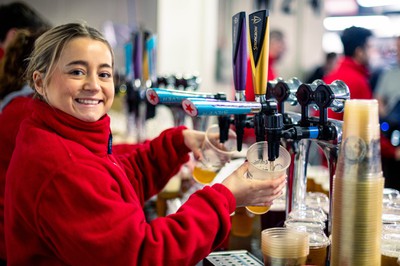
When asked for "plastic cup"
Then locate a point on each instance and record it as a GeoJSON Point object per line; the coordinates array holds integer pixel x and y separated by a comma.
{"type": "Point", "coordinates": [390, 248]}
{"type": "Point", "coordinates": [318, 241]}
{"type": "Point", "coordinates": [215, 155]}
{"type": "Point", "coordinates": [261, 168]}
{"type": "Point", "coordinates": [284, 246]}
{"type": "Point", "coordinates": [242, 222]}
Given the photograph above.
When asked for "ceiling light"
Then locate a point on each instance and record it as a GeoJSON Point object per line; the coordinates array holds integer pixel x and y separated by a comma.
{"type": "Point", "coordinates": [368, 22]}
{"type": "Point", "coordinates": [372, 3]}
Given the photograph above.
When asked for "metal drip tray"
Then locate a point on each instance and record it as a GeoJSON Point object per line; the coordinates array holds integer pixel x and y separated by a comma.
{"type": "Point", "coordinates": [234, 257]}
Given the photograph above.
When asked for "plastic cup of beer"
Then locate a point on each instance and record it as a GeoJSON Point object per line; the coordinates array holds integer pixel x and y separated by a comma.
{"type": "Point", "coordinates": [261, 168]}
{"type": "Point", "coordinates": [215, 155]}
{"type": "Point", "coordinates": [318, 241]}
{"type": "Point", "coordinates": [242, 222]}
{"type": "Point", "coordinates": [390, 248]}
{"type": "Point", "coordinates": [284, 246]}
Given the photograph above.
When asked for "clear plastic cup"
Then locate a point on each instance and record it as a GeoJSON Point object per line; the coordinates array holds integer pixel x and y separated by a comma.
{"type": "Point", "coordinates": [261, 168]}
{"type": "Point", "coordinates": [284, 246]}
{"type": "Point", "coordinates": [215, 155]}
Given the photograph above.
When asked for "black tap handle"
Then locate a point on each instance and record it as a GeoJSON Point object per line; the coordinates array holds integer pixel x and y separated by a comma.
{"type": "Point", "coordinates": [223, 123]}
{"type": "Point", "coordinates": [274, 128]}
{"type": "Point", "coordinates": [240, 121]}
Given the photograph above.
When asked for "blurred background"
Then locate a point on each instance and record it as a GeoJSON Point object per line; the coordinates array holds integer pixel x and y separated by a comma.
{"type": "Point", "coordinates": [194, 36]}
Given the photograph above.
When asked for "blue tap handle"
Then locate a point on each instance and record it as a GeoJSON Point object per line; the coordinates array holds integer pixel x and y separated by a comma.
{"type": "Point", "coordinates": [170, 96]}
{"type": "Point", "coordinates": [197, 107]}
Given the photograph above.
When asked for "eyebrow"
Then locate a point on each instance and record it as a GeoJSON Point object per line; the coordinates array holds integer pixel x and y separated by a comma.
{"type": "Point", "coordinates": [86, 64]}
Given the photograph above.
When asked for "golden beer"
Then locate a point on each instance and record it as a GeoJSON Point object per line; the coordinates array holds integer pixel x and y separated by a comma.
{"type": "Point", "coordinates": [203, 176]}
{"type": "Point", "coordinates": [317, 256]}
{"type": "Point", "coordinates": [258, 209]}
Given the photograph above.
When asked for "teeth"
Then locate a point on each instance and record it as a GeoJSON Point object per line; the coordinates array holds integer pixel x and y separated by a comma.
{"type": "Point", "coordinates": [83, 101]}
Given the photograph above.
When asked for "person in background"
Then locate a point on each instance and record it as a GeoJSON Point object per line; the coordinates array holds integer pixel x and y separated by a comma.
{"type": "Point", "coordinates": [277, 48]}
{"type": "Point", "coordinates": [352, 69]}
{"type": "Point", "coordinates": [71, 200]}
{"type": "Point", "coordinates": [321, 71]}
{"type": "Point", "coordinates": [15, 99]}
{"type": "Point", "coordinates": [388, 95]}
{"type": "Point", "coordinates": [14, 16]}
{"type": "Point", "coordinates": [387, 90]}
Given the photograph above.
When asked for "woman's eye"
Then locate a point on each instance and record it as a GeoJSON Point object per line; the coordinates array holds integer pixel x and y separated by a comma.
{"type": "Point", "coordinates": [105, 75]}
{"type": "Point", "coordinates": [77, 72]}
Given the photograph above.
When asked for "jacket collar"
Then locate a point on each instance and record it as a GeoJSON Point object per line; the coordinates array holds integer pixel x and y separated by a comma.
{"type": "Point", "coordinates": [95, 136]}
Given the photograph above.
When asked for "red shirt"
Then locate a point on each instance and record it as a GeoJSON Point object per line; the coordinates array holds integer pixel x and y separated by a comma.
{"type": "Point", "coordinates": [69, 202]}
{"type": "Point", "coordinates": [10, 119]}
{"type": "Point", "coordinates": [356, 77]}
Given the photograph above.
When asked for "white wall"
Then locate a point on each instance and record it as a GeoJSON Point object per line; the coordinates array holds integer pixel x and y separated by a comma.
{"type": "Point", "coordinates": [188, 33]}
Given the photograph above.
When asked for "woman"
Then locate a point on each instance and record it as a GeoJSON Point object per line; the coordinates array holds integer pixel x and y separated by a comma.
{"type": "Point", "coordinates": [15, 98]}
{"type": "Point", "coordinates": [70, 201]}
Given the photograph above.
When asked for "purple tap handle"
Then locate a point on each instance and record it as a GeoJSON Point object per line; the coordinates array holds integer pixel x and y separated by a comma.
{"type": "Point", "coordinates": [137, 55]}
{"type": "Point", "coordinates": [239, 49]}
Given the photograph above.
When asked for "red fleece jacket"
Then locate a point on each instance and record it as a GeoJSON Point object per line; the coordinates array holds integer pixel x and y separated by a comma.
{"type": "Point", "coordinates": [10, 120]}
{"type": "Point", "coordinates": [69, 202]}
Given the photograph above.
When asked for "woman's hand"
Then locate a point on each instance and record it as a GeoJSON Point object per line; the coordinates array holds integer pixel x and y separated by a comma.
{"type": "Point", "coordinates": [253, 192]}
{"type": "Point", "coordinates": [193, 140]}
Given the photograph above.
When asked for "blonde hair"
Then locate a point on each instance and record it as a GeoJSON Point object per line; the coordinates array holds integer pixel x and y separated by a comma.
{"type": "Point", "coordinates": [49, 45]}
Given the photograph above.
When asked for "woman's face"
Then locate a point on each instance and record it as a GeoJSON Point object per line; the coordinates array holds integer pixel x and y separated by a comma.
{"type": "Point", "coordinates": [82, 82]}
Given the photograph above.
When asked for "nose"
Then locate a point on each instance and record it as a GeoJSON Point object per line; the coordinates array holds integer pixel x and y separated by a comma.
{"type": "Point", "coordinates": [92, 83]}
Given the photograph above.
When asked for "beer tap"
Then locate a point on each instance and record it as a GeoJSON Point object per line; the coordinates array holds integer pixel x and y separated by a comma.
{"type": "Point", "coordinates": [239, 56]}
{"type": "Point", "coordinates": [268, 124]}
{"type": "Point", "coordinates": [326, 133]}
{"type": "Point", "coordinates": [174, 97]}
{"type": "Point", "coordinates": [133, 86]}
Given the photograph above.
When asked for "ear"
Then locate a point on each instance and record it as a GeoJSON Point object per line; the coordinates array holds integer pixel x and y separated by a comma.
{"type": "Point", "coordinates": [9, 37]}
{"type": "Point", "coordinates": [39, 82]}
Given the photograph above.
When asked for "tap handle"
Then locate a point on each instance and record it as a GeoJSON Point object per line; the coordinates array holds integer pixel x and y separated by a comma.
{"type": "Point", "coordinates": [207, 107]}
{"type": "Point", "coordinates": [273, 128]}
{"type": "Point", "coordinates": [285, 91]}
{"type": "Point", "coordinates": [137, 55]}
{"type": "Point", "coordinates": [305, 97]}
{"type": "Point", "coordinates": [239, 51]}
{"type": "Point", "coordinates": [259, 49]}
{"type": "Point", "coordinates": [151, 47]}
{"type": "Point", "coordinates": [332, 96]}
{"type": "Point", "coordinates": [171, 96]}
{"type": "Point", "coordinates": [223, 123]}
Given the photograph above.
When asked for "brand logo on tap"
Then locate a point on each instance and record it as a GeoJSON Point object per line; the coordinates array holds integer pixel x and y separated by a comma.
{"type": "Point", "coordinates": [189, 108]}
{"type": "Point", "coordinates": [152, 97]}
{"type": "Point", "coordinates": [257, 29]}
{"type": "Point", "coordinates": [256, 19]}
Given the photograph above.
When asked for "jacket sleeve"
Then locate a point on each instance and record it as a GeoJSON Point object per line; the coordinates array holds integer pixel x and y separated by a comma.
{"type": "Point", "coordinates": [92, 221]}
{"type": "Point", "coordinates": [149, 166]}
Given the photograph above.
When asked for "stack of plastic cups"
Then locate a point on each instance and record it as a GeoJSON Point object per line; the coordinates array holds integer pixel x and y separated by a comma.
{"type": "Point", "coordinates": [284, 247]}
{"type": "Point", "coordinates": [358, 188]}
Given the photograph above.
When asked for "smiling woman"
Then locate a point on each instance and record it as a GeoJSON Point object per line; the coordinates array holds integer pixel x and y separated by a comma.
{"type": "Point", "coordinates": [78, 201]}
{"type": "Point", "coordinates": [82, 83]}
